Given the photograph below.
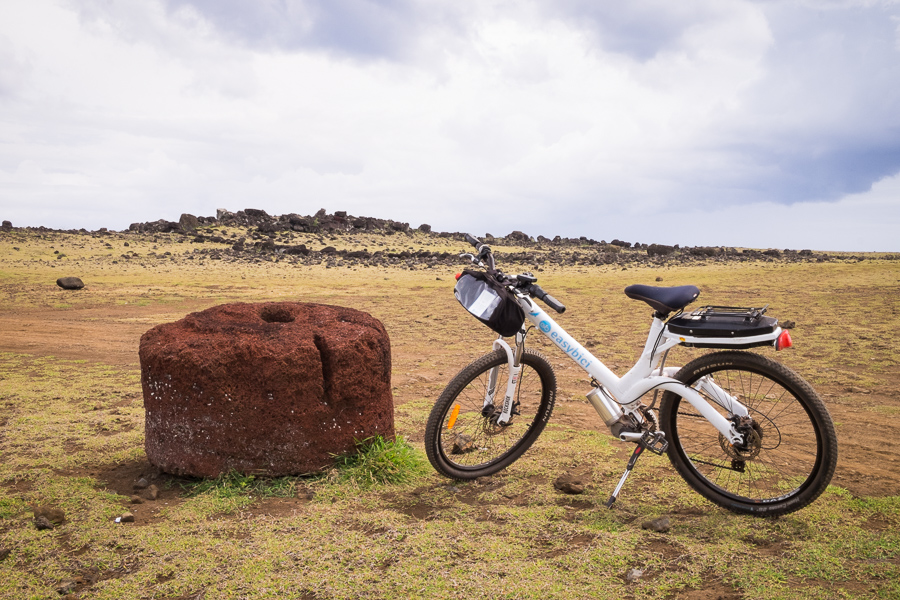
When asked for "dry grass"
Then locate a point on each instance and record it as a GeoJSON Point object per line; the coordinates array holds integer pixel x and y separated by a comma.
{"type": "Point", "coordinates": [72, 437]}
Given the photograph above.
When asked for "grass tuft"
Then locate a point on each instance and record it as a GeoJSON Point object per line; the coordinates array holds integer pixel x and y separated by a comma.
{"type": "Point", "coordinates": [378, 461]}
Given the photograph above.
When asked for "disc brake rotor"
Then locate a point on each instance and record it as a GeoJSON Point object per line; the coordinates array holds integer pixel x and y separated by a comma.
{"type": "Point", "coordinates": [489, 424]}
{"type": "Point", "coordinates": [750, 449]}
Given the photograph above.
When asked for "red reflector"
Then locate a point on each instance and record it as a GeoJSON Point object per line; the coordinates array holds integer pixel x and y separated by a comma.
{"type": "Point", "coordinates": [458, 275]}
{"type": "Point", "coordinates": [784, 340]}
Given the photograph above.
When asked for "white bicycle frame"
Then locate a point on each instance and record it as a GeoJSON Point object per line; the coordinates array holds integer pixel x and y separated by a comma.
{"type": "Point", "coordinates": [644, 376]}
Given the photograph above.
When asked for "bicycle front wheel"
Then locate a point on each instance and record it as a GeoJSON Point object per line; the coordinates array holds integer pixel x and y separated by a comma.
{"type": "Point", "coordinates": [463, 438]}
{"type": "Point", "coordinates": [790, 449]}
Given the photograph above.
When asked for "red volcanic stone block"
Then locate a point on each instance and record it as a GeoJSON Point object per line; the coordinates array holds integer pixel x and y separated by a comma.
{"type": "Point", "coordinates": [274, 388]}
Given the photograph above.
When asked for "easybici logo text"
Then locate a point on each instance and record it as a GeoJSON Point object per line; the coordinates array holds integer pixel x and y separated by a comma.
{"type": "Point", "coordinates": [569, 347]}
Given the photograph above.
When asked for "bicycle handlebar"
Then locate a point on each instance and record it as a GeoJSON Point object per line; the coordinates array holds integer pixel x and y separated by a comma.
{"type": "Point", "coordinates": [533, 289]}
{"type": "Point", "coordinates": [484, 251]}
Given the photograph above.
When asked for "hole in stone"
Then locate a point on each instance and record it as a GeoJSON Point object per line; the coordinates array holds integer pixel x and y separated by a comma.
{"type": "Point", "coordinates": [276, 314]}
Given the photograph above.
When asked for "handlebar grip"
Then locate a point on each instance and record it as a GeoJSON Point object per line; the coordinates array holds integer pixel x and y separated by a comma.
{"type": "Point", "coordinates": [554, 303]}
{"type": "Point", "coordinates": [549, 300]}
{"type": "Point", "coordinates": [473, 240]}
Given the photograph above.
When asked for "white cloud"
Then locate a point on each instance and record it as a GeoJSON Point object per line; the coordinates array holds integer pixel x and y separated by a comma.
{"type": "Point", "coordinates": [545, 118]}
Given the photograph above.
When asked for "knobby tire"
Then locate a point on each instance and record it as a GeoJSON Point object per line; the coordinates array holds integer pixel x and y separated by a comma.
{"type": "Point", "coordinates": [465, 443]}
{"type": "Point", "coordinates": [796, 449]}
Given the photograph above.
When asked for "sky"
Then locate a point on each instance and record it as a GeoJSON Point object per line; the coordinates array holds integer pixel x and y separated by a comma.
{"type": "Point", "coordinates": [754, 123]}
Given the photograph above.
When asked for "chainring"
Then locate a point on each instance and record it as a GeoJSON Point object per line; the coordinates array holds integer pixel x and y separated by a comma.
{"type": "Point", "coordinates": [651, 418]}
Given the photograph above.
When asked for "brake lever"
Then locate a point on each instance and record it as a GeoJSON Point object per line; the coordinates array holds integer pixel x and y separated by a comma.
{"type": "Point", "coordinates": [475, 260]}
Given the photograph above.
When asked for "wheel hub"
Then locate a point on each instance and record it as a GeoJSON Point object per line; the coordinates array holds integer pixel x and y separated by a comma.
{"type": "Point", "coordinates": [752, 441]}
{"type": "Point", "coordinates": [489, 424]}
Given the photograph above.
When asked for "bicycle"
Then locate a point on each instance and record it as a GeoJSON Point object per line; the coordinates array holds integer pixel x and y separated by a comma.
{"type": "Point", "coordinates": [746, 432]}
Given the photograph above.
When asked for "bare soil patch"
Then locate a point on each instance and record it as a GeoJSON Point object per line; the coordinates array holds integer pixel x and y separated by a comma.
{"type": "Point", "coordinates": [868, 464]}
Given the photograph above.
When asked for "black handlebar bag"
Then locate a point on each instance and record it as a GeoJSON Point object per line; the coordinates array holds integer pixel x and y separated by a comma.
{"type": "Point", "coordinates": [489, 302]}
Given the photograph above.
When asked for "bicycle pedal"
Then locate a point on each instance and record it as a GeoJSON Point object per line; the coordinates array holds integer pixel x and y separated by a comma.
{"type": "Point", "coordinates": [654, 442]}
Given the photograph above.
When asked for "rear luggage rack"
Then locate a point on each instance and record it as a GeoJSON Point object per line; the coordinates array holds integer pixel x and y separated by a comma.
{"type": "Point", "coordinates": [730, 326]}
{"type": "Point", "coordinates": [747, 313]}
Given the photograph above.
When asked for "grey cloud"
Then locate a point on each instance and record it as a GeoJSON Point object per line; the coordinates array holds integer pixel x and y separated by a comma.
{"type": "Point", "coordinates": [356, 28]}
{"type": "Point", "coordinates": [639, 29]}
{"type": "Point", "coordinates": [827, 114]}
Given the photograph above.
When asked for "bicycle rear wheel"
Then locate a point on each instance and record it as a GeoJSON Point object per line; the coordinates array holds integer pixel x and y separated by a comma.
{"type": "Point", "coordinates": [790, 452]}
{"type": "Point", "coordinates": [463, 439]}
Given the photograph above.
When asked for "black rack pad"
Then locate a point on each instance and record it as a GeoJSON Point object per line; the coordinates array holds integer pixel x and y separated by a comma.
{"type": "Point", "coordinates": [722, 326]}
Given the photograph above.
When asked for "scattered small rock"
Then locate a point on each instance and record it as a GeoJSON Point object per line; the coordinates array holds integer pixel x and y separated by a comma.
{"type": "Point", "coordinates": [659, 278]}
{"type": "Point", "coordinates": [70, 283]}
{"type": "Point", "coordinates": [633, 575]}
{"type": "Point", "coordinates": [659, 525]}
{"type": "Point", "coordinates": [42, 523]}
{"type": "Point", "coordinates": [135, 499]}
{"type": "Point", "coordinates": [151, 493]}
{"type": "Point", "coordinates": [126, 518]}
{"type": "Point", "coordinates": [462, 444]}
{"type": "Point", "coordinates": [788, 324]}
{"type": "Point", "coordinates": [569, 484]}
{"type": "Point", "coordinates": [6, 225]}
{"type": "Point", "coordinates": [858, 390]}
{"type": "Point", "coordinates": [141, 484]}
{"type": "Point", "coordinates": [52, 514]}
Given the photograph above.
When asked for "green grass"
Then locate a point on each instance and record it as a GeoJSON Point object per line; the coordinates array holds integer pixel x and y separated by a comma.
{"type": "Point", "coordinates": [382, 524]}
{"type": "Point", "coordinates": [379, 461]}
{"type": "Point", "coordinates": [233, 484]}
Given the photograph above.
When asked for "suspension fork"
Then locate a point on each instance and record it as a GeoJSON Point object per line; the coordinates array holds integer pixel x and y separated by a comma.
{"type": "Point", "coordinates": [514, 361]}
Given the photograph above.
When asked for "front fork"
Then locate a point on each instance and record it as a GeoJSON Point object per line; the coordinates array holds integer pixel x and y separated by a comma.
{"type": "Point", "coordinates": [514, 360]}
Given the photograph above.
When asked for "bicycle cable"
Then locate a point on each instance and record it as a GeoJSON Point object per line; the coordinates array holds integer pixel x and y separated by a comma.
{"type": "Point", "coordinates": [661, 331]}
{"type": "Point", "coordinates": [662, 364]}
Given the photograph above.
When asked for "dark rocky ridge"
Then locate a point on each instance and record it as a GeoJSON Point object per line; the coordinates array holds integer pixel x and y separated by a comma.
{"type": "Point", "coordinates": [266, 237]}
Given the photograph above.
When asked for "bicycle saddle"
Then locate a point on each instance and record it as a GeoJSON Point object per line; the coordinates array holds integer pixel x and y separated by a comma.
{"type": "Point", "coordinates": [664, 299]}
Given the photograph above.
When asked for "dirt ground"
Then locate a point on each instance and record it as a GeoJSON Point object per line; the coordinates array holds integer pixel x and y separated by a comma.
{"type": "Point", "coordinates": [869, 453]}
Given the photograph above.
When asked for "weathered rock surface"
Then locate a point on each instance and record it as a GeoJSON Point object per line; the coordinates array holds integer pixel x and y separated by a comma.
{"type": "Point", "coordinates": [50, 513]}
{"type": "Point", "coordinates": [659, 525]}
{"type": "Point", "coordinates": [274, 388]}
{"type": "Point", "coordinates": [188, 222]}
{"type": "Point", "coordinates": [70, 283]}
{"type": "Point", "coordinates": [570, 484]}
